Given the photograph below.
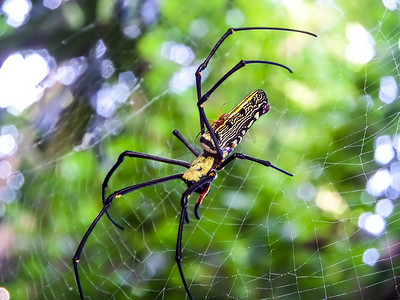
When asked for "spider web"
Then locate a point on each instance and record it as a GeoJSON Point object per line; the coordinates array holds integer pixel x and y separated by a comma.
{"type": "Point", "coordinates": [330, 232]}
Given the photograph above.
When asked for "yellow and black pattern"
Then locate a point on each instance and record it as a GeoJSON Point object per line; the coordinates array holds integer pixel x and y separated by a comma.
{"type": "Point", "coordinates": [200, 168]}
{"type": "Point", "coordinates": [231, 127]}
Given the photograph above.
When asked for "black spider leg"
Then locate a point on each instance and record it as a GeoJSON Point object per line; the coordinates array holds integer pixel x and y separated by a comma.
{"type": "Point", "coordinates": [103, 211]}
{"type": "Point", "coordinates": [185, 142]}
{"type": "Point", "coordinates": [145, 156]}
{"type": "Point", "coordinates": [230, 31]}
{"type": "Point", "coordinates": [238, 66]}
{"type": "Point", "coordinates": [203, 119]}
{"type": "Point", "coordinates": [121, 158]}
{"type": "Point", "coordinates": [244, 156]}
{"type": "Point", "coordinates": [184, 203]}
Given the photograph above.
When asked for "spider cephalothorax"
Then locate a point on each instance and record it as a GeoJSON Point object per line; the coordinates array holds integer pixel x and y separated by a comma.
{"type": "Point", "coordinates": [218, 140]}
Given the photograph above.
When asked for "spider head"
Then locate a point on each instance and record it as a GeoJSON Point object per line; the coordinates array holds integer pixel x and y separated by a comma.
{"type": "Point", "coordinates": [232, 126]}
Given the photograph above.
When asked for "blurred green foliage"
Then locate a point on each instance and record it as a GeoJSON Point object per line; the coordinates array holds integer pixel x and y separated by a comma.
{"type": "Point", "coordinates": [260, 236]}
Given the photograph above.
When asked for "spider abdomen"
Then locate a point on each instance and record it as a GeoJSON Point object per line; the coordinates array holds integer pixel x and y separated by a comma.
{"type": "Point", "coordinates": [232, 127]}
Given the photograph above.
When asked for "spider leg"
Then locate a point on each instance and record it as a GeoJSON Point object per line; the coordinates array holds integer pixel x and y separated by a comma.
{"type": "Point", "coordinates": [259, 161]}
{"type": "Point", "coordinates": [107, 204]}
{"type": "Point", "coordinates": [237, 67]}
{"type": "Point", "coordinates": [230, 31]}
{"type": "Point", "coordinates": [184, 203]}
{"type": "Point", "coordinates": [185, 142]}
{"type": "Point", "coordinates": [121, 158]}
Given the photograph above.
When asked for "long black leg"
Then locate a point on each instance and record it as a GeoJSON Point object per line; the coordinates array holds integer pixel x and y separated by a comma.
{"type": "Point", "coordinates": [184, 204]}
{"type": "Point", "coordinates": [203, 119]}
{"type": "Point", "coordinates": [230, 31]}
{"type": "Point", "coordinates": [237, 67]}
{"type": "Point", "coordinates": [103, 211]}
{"type": "Point", "coordinates": [244, 156]}
{"type": "Point", "coordinates": [185, 142]}
{"type": "Point", "coordinates": [121, 158]}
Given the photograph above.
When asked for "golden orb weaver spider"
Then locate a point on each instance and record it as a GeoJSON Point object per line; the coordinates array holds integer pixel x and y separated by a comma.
{"type": "Point", "coordinates": [217, 140]}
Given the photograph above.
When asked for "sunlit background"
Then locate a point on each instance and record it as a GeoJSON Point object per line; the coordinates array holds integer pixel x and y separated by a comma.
{"type": "Point", "coordinates": [80, 83]}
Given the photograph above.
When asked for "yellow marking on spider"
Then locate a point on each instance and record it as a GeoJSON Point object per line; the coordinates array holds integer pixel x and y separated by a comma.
{"type": "Point", "coordinates": [243, 103]}
{"type": "Point", "coordinates": [227, 116]}
{"type": "Point", "coordinates": [199, 168]}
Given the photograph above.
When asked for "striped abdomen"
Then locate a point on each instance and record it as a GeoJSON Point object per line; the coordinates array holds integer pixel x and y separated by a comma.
{"type": "Point", "coordinates": [232, 126]}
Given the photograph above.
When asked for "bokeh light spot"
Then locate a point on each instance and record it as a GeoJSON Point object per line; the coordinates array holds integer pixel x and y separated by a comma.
{"type": "Point", "coordinates": [234, 18]}
{"type": "Point", "coordinates": [388, 90]}
{"type": "Point", "coordinates": [182, 80]}
{"type": "Point", "coordinates": [17, 11]}
{"type": "Point", "coordinates": [51, 4]}
{"type": "Point", "coordinates": [384, 207]}
{"type": "Point", "coordinates": [379, 182]}
{"type": "Point", "coordinates": [20, 79]}
{"type": "Point", "coordinates": [178, 53]}
{"type": "Point", "coordinates": [373, 223]}
{"type": "Point", "coordinates": [199, 28]}
{"type": "Point", "coordinates": [5, 169]}
{"type": "Point", "coordinates": [361, 47]}
{"type": "Point", "coordinates": [370, 256]}
{"type": "Point", "coordinates": [384, 151]}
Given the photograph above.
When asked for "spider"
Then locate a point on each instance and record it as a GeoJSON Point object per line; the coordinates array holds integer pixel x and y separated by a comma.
{"type": "Point", "coordinates": [218, 140]}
